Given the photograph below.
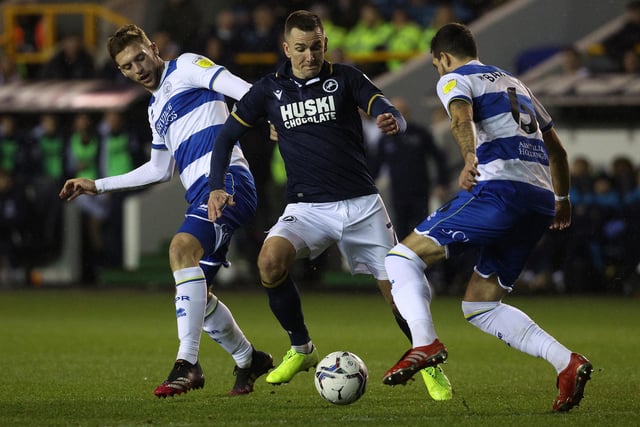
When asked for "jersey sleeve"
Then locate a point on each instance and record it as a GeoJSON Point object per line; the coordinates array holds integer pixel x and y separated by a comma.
{"type": "Point", "coordinates": [159, 168]}
{"type": "Point", "coordinates": [452, 87]}
{"type": "Point", "coordinates": [252, 107]}
{"type": "Point", "coordinates": [545, 121]}
{"type": "Point", "coordinates": [203, 72]}
{"type": "Point", "coordinates": [363, 89]}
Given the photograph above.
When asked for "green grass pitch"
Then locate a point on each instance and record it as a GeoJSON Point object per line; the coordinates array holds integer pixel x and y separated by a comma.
{"type": "Point", "coordinates": [74, 357]}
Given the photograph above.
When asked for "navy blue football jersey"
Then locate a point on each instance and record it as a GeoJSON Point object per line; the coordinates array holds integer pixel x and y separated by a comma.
{"type": "Point", "coordinates": [319, 129]}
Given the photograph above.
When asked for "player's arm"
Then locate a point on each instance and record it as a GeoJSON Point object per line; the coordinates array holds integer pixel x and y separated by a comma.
{"type": "Point", "coordinates": [230, 85]}
{"type": "Point", "coordinates": [559, 166]}
{"type": "Point", "coordinates": [463, 130]}
{"type": "Point", "coordinates": [159, 168]}
{"type": "Point", "coordinates": [229, 133]}
{"type": "Point", "coordinates": [388, 119]}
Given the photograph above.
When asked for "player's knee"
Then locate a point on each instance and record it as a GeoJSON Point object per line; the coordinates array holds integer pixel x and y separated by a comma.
{"type": "Point", "coordinates": [271, 267]}
{"type": "Point", "coordinates": [184, 251]}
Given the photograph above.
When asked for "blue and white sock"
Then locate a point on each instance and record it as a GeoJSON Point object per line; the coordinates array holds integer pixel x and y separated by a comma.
{"type": "Point", "coordinates": [191, 299]}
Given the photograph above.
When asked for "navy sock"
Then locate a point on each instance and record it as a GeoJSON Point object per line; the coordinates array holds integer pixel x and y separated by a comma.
{"type": "Point", "coordinates": [285, 304]}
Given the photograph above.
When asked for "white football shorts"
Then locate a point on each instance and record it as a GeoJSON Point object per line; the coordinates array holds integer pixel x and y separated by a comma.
{"type": "Point", "coordinates": [360, 227]}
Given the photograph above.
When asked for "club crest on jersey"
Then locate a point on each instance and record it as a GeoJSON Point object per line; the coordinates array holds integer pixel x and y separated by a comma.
{"type": "Point", "coordinates": [203, 62]}
{"type": "Point", "coordinates": [315, 110]}
{"type": "Point", "coordinates": [330, 85]}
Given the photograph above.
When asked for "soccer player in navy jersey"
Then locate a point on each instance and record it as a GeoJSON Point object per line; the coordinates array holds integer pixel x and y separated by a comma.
{"type": "Point", "coordinates": [331, 197]}
{"type": "Point", "coordinates": [514, 186]}
{"type": "Point", "coordinates": [186, 110]}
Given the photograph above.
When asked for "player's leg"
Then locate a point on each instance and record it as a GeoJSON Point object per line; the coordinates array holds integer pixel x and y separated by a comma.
{"type": "Point", "coordinates": [190, 300]}
{"type": "Point", "coordinates": [303, 230]}
{"type": "Point", "coordinates": [434, 378]}
{"type": "Point", "coordinates": [222, 327]}
{"type": "Point", "coordinates": [498, 268]}
{"type": "Point", "coordinates": [275, 257]}
{"type": "Point", "coordinates": [412, 295]}
{"type": "Point", "coordinates": [219, 322]}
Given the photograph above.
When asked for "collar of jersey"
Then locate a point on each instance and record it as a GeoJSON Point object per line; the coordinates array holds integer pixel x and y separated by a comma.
{"type": "Point", "coordinates": [285, 72]}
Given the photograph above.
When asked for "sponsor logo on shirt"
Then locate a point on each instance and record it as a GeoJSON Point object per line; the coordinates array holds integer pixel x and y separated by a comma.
{"type": "Point", "coordinates": [448, 87]}
{"type": "Point", "coordinates": [316, 110]}
{"type": "Point", "coordinates": [203, 62]}
{"type": "Point", "coordinates": [167, 116]}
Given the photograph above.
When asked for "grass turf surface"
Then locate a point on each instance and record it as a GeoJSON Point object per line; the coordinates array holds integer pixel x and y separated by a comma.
{"type": "Point", "coordinates": [92, 358]}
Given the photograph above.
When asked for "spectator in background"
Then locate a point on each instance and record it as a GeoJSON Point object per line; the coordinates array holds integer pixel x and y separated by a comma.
{"type": "Point", "coordinates": [13, 214]}
{"type": "Point", "coordinates": [181, 19]}
{"type": "Point", "coordinates": [8, 70]}
{"type": "Point", "coordinates": [573, 63]}
{"type": "Point", "coordinates": [345, 13]}
{"type": "Point", "coordinates": [14, 149]}
{"type": "Point", "coordinates": [417, 168]}
{"type": "Point", "coordinates": [626, 38]}
{"type": "Point", "coordinates": [443, 14]}
{"type": "Point", "coordinates": [221, 42]}
{"type": "Point", "coordinates": [370, 34]}
{"type": "Point", "coordinates": [262, 36]}
{"type": "Point", "coordinates": [117, 147]}
{"type": "Point", "coordinates": [405, 38]}
{"type": "Point", "coordinates": [631, 62]}
{"type": "Point", "coordinates": [51, 148]}
{"type": "Point", "coordinates": [9, 143]}
{"type": "Point", "coordinates": [50, 156]}
{"type": "Point", "coordinates": [623, 175]}
{"type": "Point", "coordinates": [84, 156]}
{"type": "Point", "coordinates": [167, 46]}
{"type": "Point", "coordinates": [71, 61]}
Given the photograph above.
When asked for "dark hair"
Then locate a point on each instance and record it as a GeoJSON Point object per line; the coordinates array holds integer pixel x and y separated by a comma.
{"type": "Point", "coordinates": [302, 20]}
{"type": "Point", "coordinates": [455, 39]}
{"type": "Point", "coordinates": [124, 36]}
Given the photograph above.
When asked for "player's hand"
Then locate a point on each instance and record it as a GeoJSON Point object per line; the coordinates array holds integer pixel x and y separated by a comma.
{"type": "Point", "coordinates": [469, 175]}
{"type": "Point", "coordinates": [72, 188]}
{"type": "Point", "coordinates": [387, 124]}
{"type": "Point", "coordinates": [562, 219]}
{"type": "Point", "coordinates": [218, 200]}
{"type": "Point", "coordinates": [273, 134]}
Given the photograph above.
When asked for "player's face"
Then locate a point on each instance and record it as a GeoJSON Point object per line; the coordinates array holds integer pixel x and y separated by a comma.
{"type": "Point", "coordinates": [306, 50]}
{"type": "Point", "coordinates": [140, 63]}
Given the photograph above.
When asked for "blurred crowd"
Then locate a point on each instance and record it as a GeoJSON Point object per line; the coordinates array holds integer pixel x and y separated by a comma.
{"type": "Point", "coordinates": [38, 152]}
{"type": "Point", "coordinates": [35, 159]}
{"type": "Point", "coordinates": [354, 27]}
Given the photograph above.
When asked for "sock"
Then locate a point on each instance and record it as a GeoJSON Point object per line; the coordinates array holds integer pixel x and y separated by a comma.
{"type": "Point", "coordinates": [411, 293]}
{"type": "Point", "coordinates": [191, 299]}
{"type": "Point", "coordinates": [517, 330]}
{"type": "Point", "coordinates": [402, 324]}
{"type": "Point", "coordinates": [304, 349]}
{"type": "Point", "coordinates": [220, 325]}
{"type": "Point", "coordinates": [285, 304]}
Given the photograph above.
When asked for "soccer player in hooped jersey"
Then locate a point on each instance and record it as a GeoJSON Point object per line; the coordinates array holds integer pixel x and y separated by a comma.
{"type": "Point", "coordinates": [331, 197]}
{"type": "Point", "coordinates": [186, 110]}
{"type": "Point", "coordinates": [514, 186]}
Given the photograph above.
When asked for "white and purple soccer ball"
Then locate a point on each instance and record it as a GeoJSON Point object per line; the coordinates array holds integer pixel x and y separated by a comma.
{"type": "Point", "coordinates": [341, 378]}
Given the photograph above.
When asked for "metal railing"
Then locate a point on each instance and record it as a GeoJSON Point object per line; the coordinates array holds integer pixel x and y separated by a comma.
{"type": "Point", "coordinates": [48, 13]}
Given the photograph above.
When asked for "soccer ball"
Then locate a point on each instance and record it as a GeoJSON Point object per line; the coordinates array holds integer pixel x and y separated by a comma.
{"type": "Point", "coordinates": [341, 378]}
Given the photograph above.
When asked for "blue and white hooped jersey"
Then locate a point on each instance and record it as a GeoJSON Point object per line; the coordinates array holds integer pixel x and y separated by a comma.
{"type": "Point", "coordinates": [509, 122]}
{"type": "Point", "coordinates": [185, 114]}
